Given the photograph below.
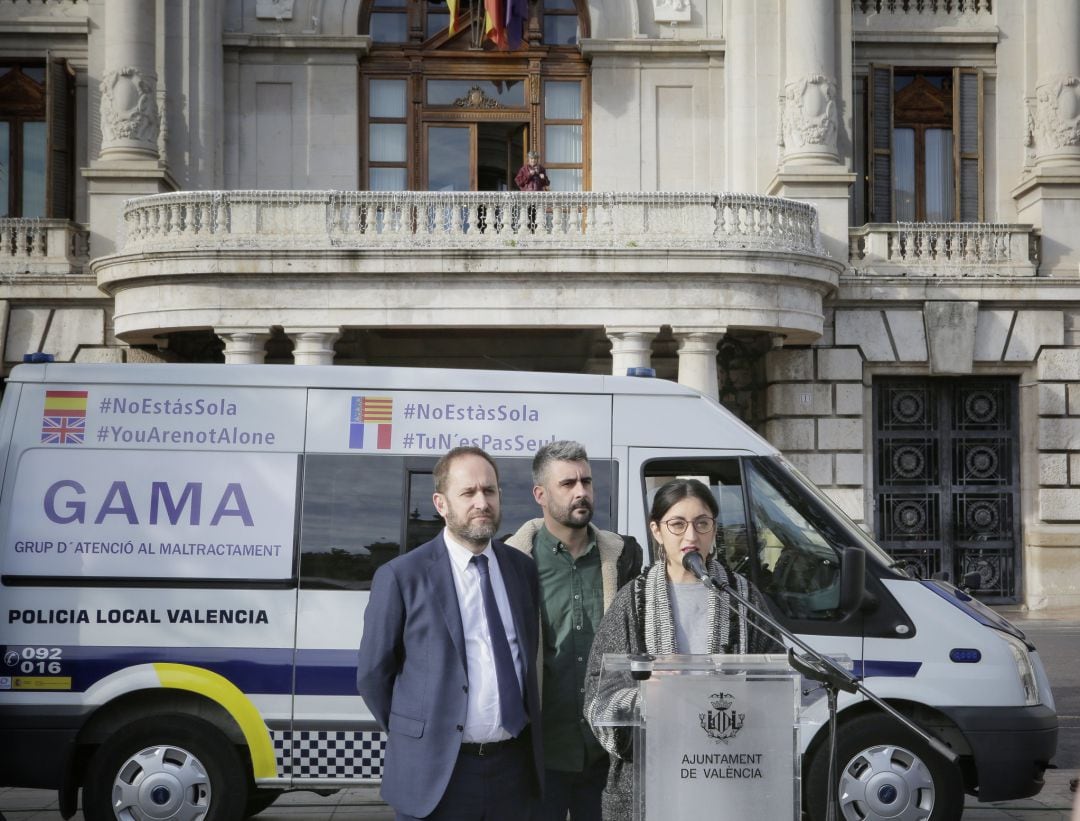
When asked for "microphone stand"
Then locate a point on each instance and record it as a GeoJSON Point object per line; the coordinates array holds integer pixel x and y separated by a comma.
{"type": "Point", "coordinates": [817, 667]}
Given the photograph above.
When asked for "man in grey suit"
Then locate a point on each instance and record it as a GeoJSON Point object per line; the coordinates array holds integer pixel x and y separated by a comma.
{"type": "Point", "coordinates": [447, 661]}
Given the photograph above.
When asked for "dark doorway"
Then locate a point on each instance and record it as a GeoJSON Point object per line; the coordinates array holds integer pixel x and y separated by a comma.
{"type": "Point", "coordinates": [947, 479]}
{"type": "Point", "coordinates": [500, 153]}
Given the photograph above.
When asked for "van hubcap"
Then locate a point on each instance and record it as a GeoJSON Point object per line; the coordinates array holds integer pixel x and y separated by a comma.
{"type": "Point", "coordinates": [161, 783]}
{"type": "Point", "coordinates": [886, 782]}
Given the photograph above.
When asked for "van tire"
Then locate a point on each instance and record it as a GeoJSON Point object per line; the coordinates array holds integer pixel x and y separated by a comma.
{"type": "Point", "coordinates": [259, 800]}
{"type": "Point", "coordinates": [906, 773]}
{"type": "Point", "coordinates": [192, 764]}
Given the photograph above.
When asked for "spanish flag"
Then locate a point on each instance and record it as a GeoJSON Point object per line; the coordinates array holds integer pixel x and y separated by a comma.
{"type": "Point", "coordinates": [495, 24]}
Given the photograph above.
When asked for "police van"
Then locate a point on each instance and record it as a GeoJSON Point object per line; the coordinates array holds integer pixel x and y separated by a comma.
{"type": "Point", "coordinates": [187, 551]}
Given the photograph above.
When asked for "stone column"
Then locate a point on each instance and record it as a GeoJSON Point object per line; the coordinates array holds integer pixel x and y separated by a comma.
{"type": "Point", "coordinates": [811, 104]}
{"type": "Point", "coordinates": [740, 64]}
{"type": "Point", "coordinates": [811, 168]}
{"type": "Point", "coordinates": [313, 346]}
{"type": "Point", "coordinates": [244, 346]}
{"type": "Point", "coordinates": [129, 164]}
{"type": "Point", "coordinates": [129, 108]}
{"type": "Point", "coordinates": [1057, 90]}
{"type": "Point", "coordinates": [697, 359]}
{"type": "Point", "coordinates": [630, 348]}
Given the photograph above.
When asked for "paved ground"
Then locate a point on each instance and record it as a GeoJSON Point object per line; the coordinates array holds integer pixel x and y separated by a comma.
{"type": "Point", "coordinates": [1054, 632]}
{"type": "Point", "coordinates": [1053, 804]}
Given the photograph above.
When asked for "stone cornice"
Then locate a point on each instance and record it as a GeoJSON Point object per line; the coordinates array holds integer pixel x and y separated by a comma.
{"type": "Point", "coordinates": [592, 47]}
{"type": "Point", "coordinates": [932, 37]}
{"type": "Point", "coordinates": [1014, 291]}
{"type": "Point", "coordinates": [1051, 177]}
{"type": "Point", "coordinates": [45, 26]}
{"type": "Point", "coordinates": [359, 44]}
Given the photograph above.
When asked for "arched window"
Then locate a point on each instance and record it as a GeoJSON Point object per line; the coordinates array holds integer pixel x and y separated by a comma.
{"type": "Point", "coordinates": [452, 112]}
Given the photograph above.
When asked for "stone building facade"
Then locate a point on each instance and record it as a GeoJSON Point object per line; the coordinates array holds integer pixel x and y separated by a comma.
{"type": "Point", "coordinates": [852, 221]}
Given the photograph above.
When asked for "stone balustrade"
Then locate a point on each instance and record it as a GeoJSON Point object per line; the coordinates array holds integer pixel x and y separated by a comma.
{"type": "Point", "coordinates": [42, 247]}
{"type": "Point", "coordinates": [955, 8]}
{"type": "Point", "coordinates": [944, 249]}
{"type": "Point", "coordinates": [416, 220]}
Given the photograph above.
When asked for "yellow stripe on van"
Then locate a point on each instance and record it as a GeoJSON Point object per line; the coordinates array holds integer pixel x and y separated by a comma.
{"type": "Point", "coordinates": [239, 706]}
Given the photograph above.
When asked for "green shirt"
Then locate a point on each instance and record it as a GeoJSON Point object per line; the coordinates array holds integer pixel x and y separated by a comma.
{"type": "Point", "coordinates": [571, 606]}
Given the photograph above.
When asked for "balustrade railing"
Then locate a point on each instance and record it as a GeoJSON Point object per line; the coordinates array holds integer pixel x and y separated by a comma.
{"type": "Point", "coordinates": [943, 249]}
{"type": "Point", "coordinates": [912, 7]}
{"type": "Point", "coordinates": [468, 220]}
{"type": "Point", "coordinates": [45, 247]}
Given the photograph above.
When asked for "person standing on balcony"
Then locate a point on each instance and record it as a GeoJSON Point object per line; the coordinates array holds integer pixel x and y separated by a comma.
{"type": "Point", "coordinates": [532, 176]}
{"type": "Point", "coordinates": [581, 568]}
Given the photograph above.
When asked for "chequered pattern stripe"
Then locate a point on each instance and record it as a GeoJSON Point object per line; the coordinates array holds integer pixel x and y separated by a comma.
{"type": "Point", "coordinates": [328, 753]}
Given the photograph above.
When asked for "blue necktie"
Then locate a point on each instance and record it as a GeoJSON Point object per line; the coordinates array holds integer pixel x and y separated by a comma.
{"type": "Point", "coordinates": [511, 704]}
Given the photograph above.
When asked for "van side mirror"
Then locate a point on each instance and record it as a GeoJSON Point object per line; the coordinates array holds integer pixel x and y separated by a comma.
{"type": "Point", "coordinates": [852, 580]}
{"type": "Point", "coordinates": [972, 581]}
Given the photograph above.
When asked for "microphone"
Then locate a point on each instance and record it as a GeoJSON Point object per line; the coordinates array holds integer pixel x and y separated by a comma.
{"type": "Point", "coordinates": [693, 562]}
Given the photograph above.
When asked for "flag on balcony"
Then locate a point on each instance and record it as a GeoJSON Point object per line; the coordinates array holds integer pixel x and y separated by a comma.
{"type": "Point", "coordinates": [495, 23]}
{"type": "Point", "coordinates": [517, 13]}
{"type": "Point", "coordinates": [453, 6]}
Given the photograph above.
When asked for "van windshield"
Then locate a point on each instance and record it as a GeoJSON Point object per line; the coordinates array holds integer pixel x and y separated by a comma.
{"type": "Point", "coordinates": [780, 470]}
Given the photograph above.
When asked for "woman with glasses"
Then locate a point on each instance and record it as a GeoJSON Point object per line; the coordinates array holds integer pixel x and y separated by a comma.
{"type": "Point", "coordinates": [666, 610]}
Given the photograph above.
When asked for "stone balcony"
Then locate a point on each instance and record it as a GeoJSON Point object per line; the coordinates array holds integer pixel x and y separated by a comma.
{"type": "Point", "coordinates": [44, 257]}
{"type": "Point", "coordinates": [944, 250]}
{"type": "Point", "coordinates": [943, 262]}
{"type": "Point", "coordinates": [333, 260]}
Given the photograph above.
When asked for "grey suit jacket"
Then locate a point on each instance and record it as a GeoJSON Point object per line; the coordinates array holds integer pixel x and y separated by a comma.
{"type": "Point", "coordinates": [412, 672]}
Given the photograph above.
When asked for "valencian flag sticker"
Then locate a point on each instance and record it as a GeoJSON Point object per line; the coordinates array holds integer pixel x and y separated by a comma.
{"type": "Point", "coordinates": [370, 421]}
{"type": "Point", "coordinates": [64, 419]}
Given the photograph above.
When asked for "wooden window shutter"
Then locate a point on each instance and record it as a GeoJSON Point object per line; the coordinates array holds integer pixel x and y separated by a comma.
{"type": "Point", "coordinates": [879, 137]}
{"type": "Point", "coordinates": [58, 166]}
{"type": "Point", "coordinates": [968, 142]}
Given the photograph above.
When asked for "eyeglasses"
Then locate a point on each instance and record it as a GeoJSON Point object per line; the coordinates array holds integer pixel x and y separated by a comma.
{"type": "Point", "coordinates": [702, 524]}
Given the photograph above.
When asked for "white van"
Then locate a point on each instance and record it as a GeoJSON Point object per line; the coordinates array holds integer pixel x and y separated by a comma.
{"type": "Point", "coordinates": [187, 550]}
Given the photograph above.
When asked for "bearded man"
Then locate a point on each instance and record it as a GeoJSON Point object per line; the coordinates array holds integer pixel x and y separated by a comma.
{"type": "Point", "coordinates": [581, 568]}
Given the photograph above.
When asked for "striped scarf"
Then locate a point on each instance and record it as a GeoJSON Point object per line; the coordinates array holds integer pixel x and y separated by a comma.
{"type": "Point", "coordinates": [659, 621]}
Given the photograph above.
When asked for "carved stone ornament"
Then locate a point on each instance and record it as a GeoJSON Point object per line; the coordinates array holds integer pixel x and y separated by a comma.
{"type": "Point", "coordinates": [273, 9]}
{"type": "Point", "coordinates": [476, 97]}
{"type": "Point", "coordinates": [672, 11]}
{"type": "Point", "coordinates": [1057, 112]}
{"type": "Point", "coordinates": [129, 106]}
{"type": "Point", "coordinates": [809, 113]}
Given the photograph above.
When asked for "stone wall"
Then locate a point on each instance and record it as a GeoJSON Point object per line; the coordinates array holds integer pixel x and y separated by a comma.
{"type": "Point", "coordinates": [815, 414]}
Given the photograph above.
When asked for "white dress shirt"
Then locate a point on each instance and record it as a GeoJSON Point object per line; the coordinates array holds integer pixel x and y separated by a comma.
{"type": "Point", "coordinates": [482, 710]}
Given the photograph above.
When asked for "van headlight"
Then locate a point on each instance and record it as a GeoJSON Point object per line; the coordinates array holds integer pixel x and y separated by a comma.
{"type": "Point", "coordinates": [1024, 669]}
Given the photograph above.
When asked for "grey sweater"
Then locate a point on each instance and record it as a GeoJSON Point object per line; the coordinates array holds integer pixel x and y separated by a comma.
{"type": "Point", "coordinates": [640, 621]}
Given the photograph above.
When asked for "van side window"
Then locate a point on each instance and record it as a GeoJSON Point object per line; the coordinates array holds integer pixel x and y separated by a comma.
{"type": "Point", "coordinates": [723, 478]}
{"type": "Point", "coordinates": [351, 519]}
{"type": "Point", "coordinates": [359, 512]}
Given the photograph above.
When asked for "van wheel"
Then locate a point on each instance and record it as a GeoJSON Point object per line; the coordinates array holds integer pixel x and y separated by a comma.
{"type": "Point", "coordinates": [168, 768]}
{"type": "Point", "coordinates": [885, 772]}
